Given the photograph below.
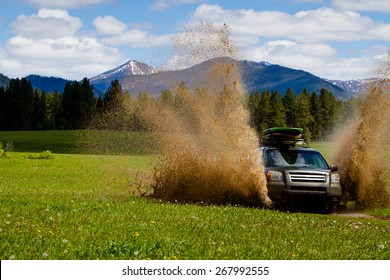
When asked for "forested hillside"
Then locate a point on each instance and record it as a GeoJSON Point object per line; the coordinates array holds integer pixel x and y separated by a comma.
{"type": "Point", "coordinates": [23, 108]}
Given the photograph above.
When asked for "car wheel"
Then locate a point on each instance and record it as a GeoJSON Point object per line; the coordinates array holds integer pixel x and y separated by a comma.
{"type": "Point", "coordinates": [329, 206]}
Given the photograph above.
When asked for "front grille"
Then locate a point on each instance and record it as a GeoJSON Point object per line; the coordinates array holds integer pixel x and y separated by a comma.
{"type": "Point", "coordinates": [312, 189]}
{"type": "Point", "coordinates": [307, 177]}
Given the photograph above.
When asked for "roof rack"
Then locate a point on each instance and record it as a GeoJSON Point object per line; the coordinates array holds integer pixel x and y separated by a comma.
{"type": "Point", "coordinates": [283, 137]}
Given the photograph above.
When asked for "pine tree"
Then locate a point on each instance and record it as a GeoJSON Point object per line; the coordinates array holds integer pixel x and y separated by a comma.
{"type": "Point", "coordinates": [17, 108]}
{"type": "Point", "coordinates": [2, 107]}
{"type": "Point", "coordinates": [304, 116]}
{"type": "Point", "coordinates": [182, 96]}
{"type": "Point", "coordinates": [278, 113]}
{"type": "Point", "coordinates": [88, 102]}
{"type": "Point", "coordinates": [115, 114]}
{"type": "Point", "coordinates": [39, 118]}
{"type": "Point", "coordinates": [54, 109]}
{"type": "Point", "coordinates": [167, 98]}
{"type": "Point", "coordinates": [113, 96]}
{"type": "Point", "coordinates": [291, 107]}
{"type": "Point", "coordinates": [315, 111]}
{"type": "Point", "coordinates": [12, 109]}
{"type": "Point", "coordinates": [254, 106]}
{"type": "Point", "coordinates": [328, 113]}
{"type": "Point", "coordinates": [265, 113]}
{"type": "Point", "coordinates": [25, 102]}
{"type": "Point", "coordinates": [70, 105]}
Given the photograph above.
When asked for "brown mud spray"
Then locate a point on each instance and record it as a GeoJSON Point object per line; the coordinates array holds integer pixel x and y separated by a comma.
{"type": "Point", "coordinates": [210, 153]}
{"type": "Point", "coordinates": [363, 148]}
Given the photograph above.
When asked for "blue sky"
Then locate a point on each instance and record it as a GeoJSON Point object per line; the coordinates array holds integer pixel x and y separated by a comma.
{"type": "Point", "coordinates": [337, 39]}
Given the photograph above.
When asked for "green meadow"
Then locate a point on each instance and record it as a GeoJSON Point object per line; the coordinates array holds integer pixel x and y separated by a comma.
{"type": "Point", "coordinates": [84, 204]}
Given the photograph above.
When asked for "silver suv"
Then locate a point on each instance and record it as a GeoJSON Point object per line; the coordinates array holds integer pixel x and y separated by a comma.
{"type": "Point", "coordinates": [298, 175]}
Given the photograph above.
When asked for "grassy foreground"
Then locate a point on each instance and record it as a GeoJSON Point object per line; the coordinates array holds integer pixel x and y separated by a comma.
{"type": "Point", "coordinates": [82, 206]}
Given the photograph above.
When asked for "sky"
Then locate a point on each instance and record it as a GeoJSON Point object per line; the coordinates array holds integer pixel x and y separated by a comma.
{"type": "Point", "coordinates": [73, 39]}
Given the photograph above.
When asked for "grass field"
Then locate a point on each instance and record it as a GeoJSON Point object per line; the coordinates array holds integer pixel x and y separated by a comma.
{"type": "Point", "coordinates": [82, 205]}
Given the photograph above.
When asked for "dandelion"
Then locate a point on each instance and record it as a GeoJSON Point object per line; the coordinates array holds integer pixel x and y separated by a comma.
{"type": "Point", "coordinates": [45, 255]}
{"type": "Point", "coordinates": [136, 253]}
{"type": "Point", "coordinates": [136, 234]}
{"type": "Point", "coordinates": [152, 222]}
{"type": "Point", "coordinates": [12, 257]}
{"type": "Point", "coordinates": [64, 241]}
{"type": "Point", "coordinates": [7, 222]}
{"type": "Point", "coordinates": [382, 246]}
{"type": "Point", "coordinates": [8, 215]}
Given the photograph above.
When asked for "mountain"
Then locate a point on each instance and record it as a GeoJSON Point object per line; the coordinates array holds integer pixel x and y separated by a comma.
{"type": "Point", "coordinates": [265, 76]}
{"type": "Point", "coordinates": [353, 86]}
{"type": "Point", "coordinates": [136, 76]}
{"type": "Point", "coordinates": [132, 67]}
{"type": "Point", "coordinates": [4, 81]}
{"type": "Point", "coordinates": [129, 69]}
{"type": "Point", "coordinates": [255, 76]}
{"type": "Point", "coordinates": [47, 84]}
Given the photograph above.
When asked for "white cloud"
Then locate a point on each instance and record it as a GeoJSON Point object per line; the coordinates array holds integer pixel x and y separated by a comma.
{"type": "Point", "coordinates": [319, 25]}
{"type": "Point", "coordinates": [80, 49]}
{"type": "Point", "coordinates": [138, 39]}
{"type": "Point", "coordinates": [160, 5]}
{"type": "Point", "coordinates": [141, 25]}
{"type": "Point", "coordinates": [65, 4]}
{"type": "Point", "coordinates": [47, 23]}
{"type": "Point", "coordinates": [289, 53]}
{"type": "Point", "coordinates": [68, 57]}
{"type": "Point", "coordinates": [49, 43]}
{"type": "Point", "coordinates": [319, 59]}
{"type": "Point", "coordinates": [116, 33]}
{"type": "Point", "coordinates": [362, 5]}
{"type": "Point", "coordinates": [109, 25]}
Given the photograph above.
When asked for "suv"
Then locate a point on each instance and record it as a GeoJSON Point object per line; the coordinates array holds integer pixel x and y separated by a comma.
{"type": "Point", "coordinates": [296, 173]}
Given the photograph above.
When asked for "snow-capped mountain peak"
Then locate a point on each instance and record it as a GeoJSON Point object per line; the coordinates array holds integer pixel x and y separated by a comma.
{"type": "Point", "coordinates": [131, 67]}
{"type": "Point", "coordinates": [353, 86]}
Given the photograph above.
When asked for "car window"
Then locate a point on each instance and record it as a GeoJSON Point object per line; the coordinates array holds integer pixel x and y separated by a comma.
{"type": "Point", "coordinates": [297, 158]}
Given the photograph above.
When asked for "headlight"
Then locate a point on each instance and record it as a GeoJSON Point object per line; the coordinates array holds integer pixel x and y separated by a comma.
{"type": "Point", "coordinates": [275, 176]}
{"type": "Point", "coordinates": [335, 178]}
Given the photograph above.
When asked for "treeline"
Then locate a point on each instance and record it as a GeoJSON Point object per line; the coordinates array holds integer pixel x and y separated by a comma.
{"type": "Point", "coordinates": [318, 114]}
{"type": "Point", "coordinates": [23, 108]}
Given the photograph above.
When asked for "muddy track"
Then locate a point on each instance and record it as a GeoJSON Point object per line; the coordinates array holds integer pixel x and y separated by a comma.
{"type": "Point", "coordinates": [357, 215]}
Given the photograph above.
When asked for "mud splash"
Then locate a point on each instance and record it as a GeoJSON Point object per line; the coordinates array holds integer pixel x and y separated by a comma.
{"type": "Point", "coordinates": [363, 147]}
{"type": "Point", "coordinates": [209, 152]}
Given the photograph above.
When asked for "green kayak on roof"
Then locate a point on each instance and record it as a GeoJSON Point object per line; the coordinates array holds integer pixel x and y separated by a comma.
{"type": "Point", "coordinates": [292, 131]}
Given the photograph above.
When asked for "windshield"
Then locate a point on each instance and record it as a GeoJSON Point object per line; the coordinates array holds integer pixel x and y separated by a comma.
{"type": "Point", "coordinates": [294, 158]}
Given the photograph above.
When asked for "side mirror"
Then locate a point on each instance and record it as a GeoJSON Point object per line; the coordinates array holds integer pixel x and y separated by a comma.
{"type": "Point", "coordinates": [334, 168]}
